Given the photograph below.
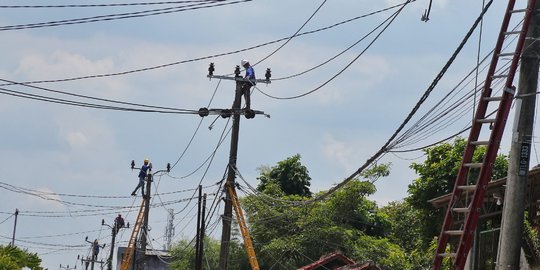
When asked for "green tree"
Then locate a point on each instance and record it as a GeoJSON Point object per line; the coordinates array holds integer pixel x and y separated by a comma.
{"type": "Point", "coordinates": [405, 229]}
{"type": "Point", "coordinates": [288, 236]}
{"type": "Point", "coordinates": [12, 257]}
{"type": "Point", "coordinates": [292, 177]}
{"type": "Point", "coordinates": [183, 255]}
{"type": "Point", "coordinates": [437, 174]}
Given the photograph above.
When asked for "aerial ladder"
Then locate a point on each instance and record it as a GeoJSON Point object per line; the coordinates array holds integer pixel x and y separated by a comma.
{"type": "Point", "coordinates": [128, 255]}
{"type": "Point", "coordinates": [462, 213]}
{"type": "Point", "coordinates": [243, 228]}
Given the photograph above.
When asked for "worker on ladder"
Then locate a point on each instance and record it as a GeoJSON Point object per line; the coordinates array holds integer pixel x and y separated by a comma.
{"type": "Point", "coordinates": [142, 176]}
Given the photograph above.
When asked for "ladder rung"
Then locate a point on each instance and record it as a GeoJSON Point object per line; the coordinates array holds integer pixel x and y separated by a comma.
{"type": "Point", "coordinates": [518, 10]}
{"type": "Point", "coordinates": [454, 232]}
{"type": "Point", "coordinates": [487, 120]}
{"type": "Point", "coordinates": [506, 54]}
{"type": "Point", "coordinates": [467, 188]}
{"type": "Point", "coordinates": [447, 255]}
{"type": "Point", "coordinates": [512, 32]}
{"type": "Point", "coordinates": [499, 76]}
{"type": "Point", "coordinates": [499, 98]}
{"type": "Point", "coordinates": [473, 165]}
{"type": "Point", "coordinates": [460, 210]}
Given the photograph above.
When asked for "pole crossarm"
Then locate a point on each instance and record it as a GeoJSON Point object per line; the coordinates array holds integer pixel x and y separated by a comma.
{"type": "Point", "coordinates": [238, 79]}
{"type": "Point", "coordinates": [225, 113]}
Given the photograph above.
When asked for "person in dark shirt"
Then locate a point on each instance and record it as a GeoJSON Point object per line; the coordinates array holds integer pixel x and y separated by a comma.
{"type": "Point", "coordinates": [119, 223]}
{"type": "Point", "coordinates": [142, 176]}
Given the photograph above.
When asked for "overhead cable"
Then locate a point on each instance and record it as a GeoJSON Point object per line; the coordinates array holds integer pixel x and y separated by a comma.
{"type": "Point", "coordinates": [85, 97]}
{"type": "Point", "coordinates": [292, 36]}
{"type": "Point", "coordinates": [384, 149]}
{"type": "Point", "coordinates": [209, 56]}
{"type": "Point", "coordinates": [106, 5]}
{"type": "Point", "coordinates": [110, 17]}
{"type": "Point", "coordinates": [390, 20]}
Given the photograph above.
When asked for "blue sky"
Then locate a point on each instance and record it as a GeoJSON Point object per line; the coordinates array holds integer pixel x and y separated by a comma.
{"type": "Point", "coordinates": [71, 150]}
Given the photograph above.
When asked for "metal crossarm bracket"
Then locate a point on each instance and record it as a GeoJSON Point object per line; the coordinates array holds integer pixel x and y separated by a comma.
{"type": "Point", "coordinates": [238, 79]}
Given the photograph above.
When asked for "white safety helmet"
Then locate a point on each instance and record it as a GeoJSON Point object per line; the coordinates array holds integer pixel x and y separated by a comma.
{"type": "Point", "coordinates": [244, 62]}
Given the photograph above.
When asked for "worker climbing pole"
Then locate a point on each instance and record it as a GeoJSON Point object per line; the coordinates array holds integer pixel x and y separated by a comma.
{"type": "Point", "coordinates": [141, 224]}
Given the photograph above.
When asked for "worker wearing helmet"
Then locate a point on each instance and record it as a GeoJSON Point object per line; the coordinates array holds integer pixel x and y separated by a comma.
{"type": "Point", "coordinates": [246, 85]}
{"type": "Point", "coordinates": [142, 176]}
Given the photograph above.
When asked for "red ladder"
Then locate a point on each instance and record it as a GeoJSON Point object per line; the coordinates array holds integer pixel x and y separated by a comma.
{"type": "Point", "coordinates": [462, 212]}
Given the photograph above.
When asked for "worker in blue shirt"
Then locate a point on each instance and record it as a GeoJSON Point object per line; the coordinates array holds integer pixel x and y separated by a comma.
{"type": "Point", "coordinates": [142, 175]}
{"type": "Point", "coordinates": [246, 85]}
{"type": "Point", "coordinates": [95, 248]}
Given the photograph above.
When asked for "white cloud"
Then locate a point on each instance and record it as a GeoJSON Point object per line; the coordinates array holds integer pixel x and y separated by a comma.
{"type": "Point", "coordinates": [61, 63]}
{"type": "Point", "coordinates": [340, 152]}
{"type": "Point", "coordinates": [76, 139]}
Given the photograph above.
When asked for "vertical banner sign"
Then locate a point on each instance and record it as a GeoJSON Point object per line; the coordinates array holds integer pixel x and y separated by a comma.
{"type": "Point", "coordinates": [524, 155]}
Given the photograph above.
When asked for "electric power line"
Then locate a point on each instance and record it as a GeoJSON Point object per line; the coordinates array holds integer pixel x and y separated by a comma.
{"type": "Point", "coordinates": [118, 16]}
{"type": "Point", "coordinates": [211, 56]}
{"type": "Point", "coordinates": [105, 5]}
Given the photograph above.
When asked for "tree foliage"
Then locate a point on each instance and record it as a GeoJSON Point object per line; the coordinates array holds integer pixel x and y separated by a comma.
{"type": "Point", "coordinates": [290, 236]}
{"type": "Point", "coordinates": [406, 230]}
{"type": "Point", "coordinates": [183, 255]}
{"type": "Point", "coordinates": [437, 174]}
{"type": "Point", "coordinates": [12, 257]}
{"type": "Point", "coordinates": [292, 177]}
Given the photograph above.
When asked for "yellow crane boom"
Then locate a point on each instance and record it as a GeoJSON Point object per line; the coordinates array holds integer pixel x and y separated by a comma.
{"type": "Point", "coordinates": [243, 228]}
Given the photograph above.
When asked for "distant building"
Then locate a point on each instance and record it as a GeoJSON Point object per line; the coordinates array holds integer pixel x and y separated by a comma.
{"type": "Point", "coordinates": [338, 261]}
{"type": "Point", "coordinates": [154, 259]}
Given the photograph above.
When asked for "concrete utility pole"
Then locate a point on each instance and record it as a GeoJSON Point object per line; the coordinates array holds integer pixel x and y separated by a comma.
{"type": "Point", "coordinates": [199, 256]}
{"type": "Point", "coordinates": [508, 257]}
{"type": "Point", "coordinates": [231, 175]}
{"type": "Point", "coordinates": [14, 227]}
{"type": "Point", "coordinates": [146, 198]}
{"type": "Point", "coordinates": [114, 230]}
{"type": "Point", "coordinates": [144, 236]}
{"type": "Point", "coordinates": [198, 235]}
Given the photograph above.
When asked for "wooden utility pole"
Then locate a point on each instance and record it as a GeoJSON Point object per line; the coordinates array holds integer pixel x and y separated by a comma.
{"type": "Point", "coordinates": [516, 183]}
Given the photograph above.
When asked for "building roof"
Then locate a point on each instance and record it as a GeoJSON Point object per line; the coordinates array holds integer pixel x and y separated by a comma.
{"type": "Point", "coordinates": [330, 261]}
{"type": "Point", "coordinates": [338, 261]}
